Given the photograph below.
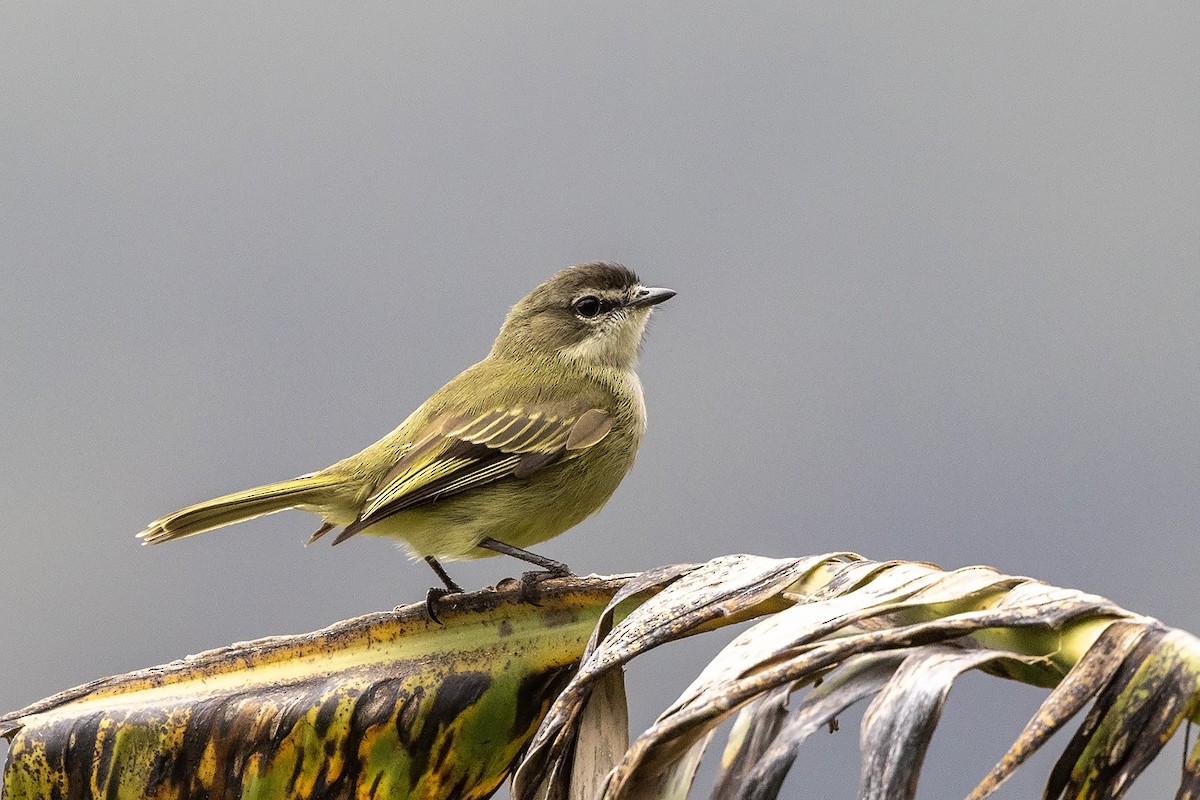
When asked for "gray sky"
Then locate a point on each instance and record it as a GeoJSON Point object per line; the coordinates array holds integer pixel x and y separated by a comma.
{"type": "Point", "coordinates": [937, 269]}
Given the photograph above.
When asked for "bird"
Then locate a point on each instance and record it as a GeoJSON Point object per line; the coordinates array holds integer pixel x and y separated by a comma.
{"type": "Point", "coordinates": [513, 451]}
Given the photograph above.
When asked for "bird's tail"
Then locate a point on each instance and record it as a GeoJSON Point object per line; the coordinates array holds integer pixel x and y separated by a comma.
{"type": "Point", "coordinates": [236, 507]}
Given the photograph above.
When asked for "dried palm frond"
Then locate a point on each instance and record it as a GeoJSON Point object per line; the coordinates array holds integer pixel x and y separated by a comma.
{"type": "Point", "coordinates": [901, 632]}
{"type": "Point", "coordinates": [392, 705]}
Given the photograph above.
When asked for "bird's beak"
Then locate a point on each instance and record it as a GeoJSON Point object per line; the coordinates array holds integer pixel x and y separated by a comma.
{"type": "Point", "coordinates": [650, 297]}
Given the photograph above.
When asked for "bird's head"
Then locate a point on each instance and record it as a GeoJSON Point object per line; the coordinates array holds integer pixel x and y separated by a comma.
{"type": "Point", "coordinates": [591, 315]}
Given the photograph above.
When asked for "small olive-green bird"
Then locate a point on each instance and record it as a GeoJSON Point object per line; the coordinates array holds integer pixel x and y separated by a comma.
{"type": "Point", "coordinates": [515, 450]}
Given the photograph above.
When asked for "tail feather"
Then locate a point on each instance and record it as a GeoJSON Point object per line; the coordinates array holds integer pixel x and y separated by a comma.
{"type": "Point", "coordinates": [236, 507]}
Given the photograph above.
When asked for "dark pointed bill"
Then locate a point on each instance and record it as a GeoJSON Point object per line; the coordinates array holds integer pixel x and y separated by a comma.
{"type": "Point", "coordinates": [650, 297]}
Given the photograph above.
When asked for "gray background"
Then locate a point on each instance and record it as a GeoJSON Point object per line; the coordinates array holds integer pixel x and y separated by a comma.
{"type": "Point", "coordinates": [936, 263]}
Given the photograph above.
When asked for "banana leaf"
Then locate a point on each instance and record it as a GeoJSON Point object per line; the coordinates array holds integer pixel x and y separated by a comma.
{"type": "Point", "coordinates": [393, 705]}
{"type": "Point", "coordinates": [389, 705]}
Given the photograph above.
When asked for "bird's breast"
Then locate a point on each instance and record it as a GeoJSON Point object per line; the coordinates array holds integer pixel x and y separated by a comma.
{"type": "Point", "coordinates": [637, 401]}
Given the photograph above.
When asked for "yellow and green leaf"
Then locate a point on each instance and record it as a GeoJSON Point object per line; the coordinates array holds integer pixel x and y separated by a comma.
{"type": "Point", "coordinates": [395, 706]}
{"type": "Point", "coordinates": [389, 705]}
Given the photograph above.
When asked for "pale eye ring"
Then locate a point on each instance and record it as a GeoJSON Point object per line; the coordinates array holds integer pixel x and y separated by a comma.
{"type": "Point", "coordinates": [587, 306]}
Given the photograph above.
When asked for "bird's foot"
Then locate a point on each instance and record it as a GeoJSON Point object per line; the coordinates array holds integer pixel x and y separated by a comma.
{"type": "Point", "coordinates": [434, 594]}
{"type": "Point", "coordinates": [530, 591]}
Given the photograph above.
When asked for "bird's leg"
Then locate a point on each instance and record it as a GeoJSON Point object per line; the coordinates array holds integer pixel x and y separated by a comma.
{"type": "Point", "coordinates": [451, 586]}
{"type": "Point", "coordinates": [549, 567]}
{"type": "Point", "coordinates": [553, 568]}
{"type": "Point", "coordinates": [436, 593]}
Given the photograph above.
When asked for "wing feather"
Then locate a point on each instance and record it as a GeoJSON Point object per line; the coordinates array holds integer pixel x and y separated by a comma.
{"type": "Point", "coordinates": [465, 451]}
{"type": "Point", "coordinates": [592, 426]}
{"type": "Point", "coordinates": [522, 442]}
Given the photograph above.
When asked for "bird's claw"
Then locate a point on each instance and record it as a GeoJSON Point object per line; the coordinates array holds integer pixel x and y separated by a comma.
{"type": "Point", "coordinates": [434, 594]}
{"type": "Point", "coordinates": [531, 579]}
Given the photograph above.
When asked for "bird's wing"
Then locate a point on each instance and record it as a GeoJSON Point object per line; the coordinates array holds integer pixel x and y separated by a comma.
{"type": "Point", "coordinates": [467, 450]}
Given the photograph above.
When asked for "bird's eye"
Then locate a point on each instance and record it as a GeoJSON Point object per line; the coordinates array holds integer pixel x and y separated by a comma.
{"type": "Point", "coordinates": [587, 306]}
